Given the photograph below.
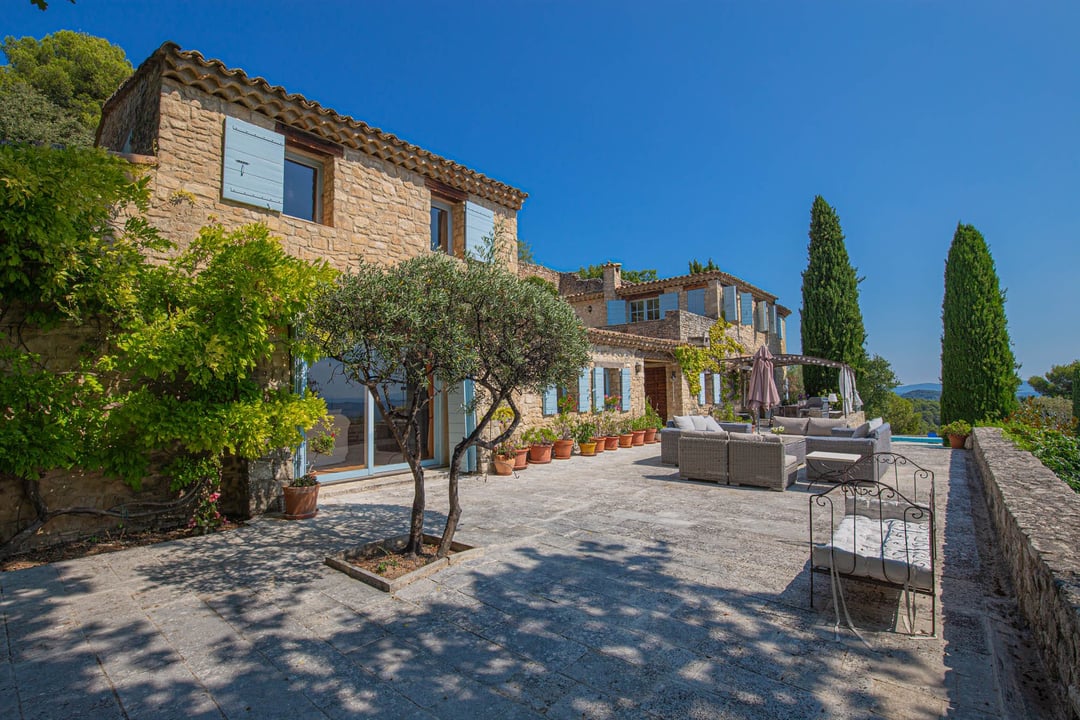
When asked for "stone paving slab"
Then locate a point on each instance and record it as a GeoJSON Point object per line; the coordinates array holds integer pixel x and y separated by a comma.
{"type": "Point", "coordinates": [609, 588]}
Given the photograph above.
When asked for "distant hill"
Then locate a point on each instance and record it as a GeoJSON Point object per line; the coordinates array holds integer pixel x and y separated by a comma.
{"type": "Point", "coordinates": [932, 391]}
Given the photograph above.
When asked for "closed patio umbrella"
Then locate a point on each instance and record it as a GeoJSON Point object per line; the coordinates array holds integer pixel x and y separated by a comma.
{"type": "Point", "coordinates": [852, 401]}
{"type": "Point", "coordinates": [762, 394]}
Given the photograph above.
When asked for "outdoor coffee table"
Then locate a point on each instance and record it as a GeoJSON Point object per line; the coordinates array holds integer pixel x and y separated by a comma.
{"type": "Point", "coordinates": [829, 466]}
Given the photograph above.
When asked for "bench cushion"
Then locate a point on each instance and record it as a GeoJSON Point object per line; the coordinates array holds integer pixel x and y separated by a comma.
{"type": "Point", "coordinates": [858, 549]}
{"type": "Point", "coordinates": [792, 426]}
{"type": "Point", "coordinates": [822, 427]}
{"type": "Point", "coordinates": [683, 422]}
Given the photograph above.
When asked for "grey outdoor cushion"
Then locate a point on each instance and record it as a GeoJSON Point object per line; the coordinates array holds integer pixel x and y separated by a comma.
{"type": "Point", "coordinates": [792, 426]}
{"type": "Point", "coordinates": [876, 423]}
{"type": "Point", "coordinates": [699, 422]}
{"type": "Point", "coordinates": [711, 425]}
{"type": "Point", "coordinates": [822, 427]}
{"type": "Point", "coordinates": [683, 422]}
{"type": "Point", "coordinates": [861, 431]}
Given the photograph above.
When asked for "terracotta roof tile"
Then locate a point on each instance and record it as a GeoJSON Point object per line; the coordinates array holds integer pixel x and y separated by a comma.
{"type": "Point", "coordinates": [638, 342]}
{"type": "Point", "coordinates": [643, 288]}
{"type": "Point", "coordinates": [235, 86]}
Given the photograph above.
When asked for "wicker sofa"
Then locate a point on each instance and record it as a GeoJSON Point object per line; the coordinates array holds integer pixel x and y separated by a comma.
{"type": "Point", "coordinates": [829, 435]}
{"type": "Point", "coordinates": [740, 458]}
{"type": "Point", "coordinates": [669, 436]}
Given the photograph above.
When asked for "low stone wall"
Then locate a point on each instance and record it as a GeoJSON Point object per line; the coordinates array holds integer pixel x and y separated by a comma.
{"type": "Point", "coordinates": [1037, 517]}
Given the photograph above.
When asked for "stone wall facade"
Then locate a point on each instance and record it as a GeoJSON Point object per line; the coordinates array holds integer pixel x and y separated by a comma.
{"type": "Point", "coordinates": [1037, 518]}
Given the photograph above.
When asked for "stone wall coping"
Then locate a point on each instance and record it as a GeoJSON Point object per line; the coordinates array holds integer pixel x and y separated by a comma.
{"type": "Point", "coordinates": [1037, 517]}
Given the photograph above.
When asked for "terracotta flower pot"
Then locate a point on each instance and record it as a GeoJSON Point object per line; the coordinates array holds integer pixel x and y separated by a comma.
{"type": "Point", "coordinates": [539, 454]}
{"type": "Point", "coordinates": [563, 449]}
{"type": "Point", "coordinates": [600, 443]}
{"type": "Point", "coordinates": [611, 442]}
{"type": "Point", "coordinates": [650, 435]}
{"type": "Point", "coordinates": [956, 442]}
{"type": "Point", "coordinates": [521, 458]}
{"type": "Point", "coordinates": [639, 438]}
{"type": "Point", "coordinates": [503, 464]}
{"type": "Point", "coordinates": [588, 449]}
{"type": "Point", "coordinates": [301, 503]}
{"type": "Point", "coordinates": [626, 440]}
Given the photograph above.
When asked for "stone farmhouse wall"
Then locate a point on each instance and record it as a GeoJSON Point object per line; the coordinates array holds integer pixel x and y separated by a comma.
{"type": "Point", "coordinates": [1037, 518]}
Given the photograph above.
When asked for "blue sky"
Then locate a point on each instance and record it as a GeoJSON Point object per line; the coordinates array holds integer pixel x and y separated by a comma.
{"type": "Point", "coordinates": [651, 133]}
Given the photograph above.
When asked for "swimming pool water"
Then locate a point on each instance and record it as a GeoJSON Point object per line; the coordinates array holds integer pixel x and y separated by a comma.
{"type": "Point", "coordinates": [917, 440]}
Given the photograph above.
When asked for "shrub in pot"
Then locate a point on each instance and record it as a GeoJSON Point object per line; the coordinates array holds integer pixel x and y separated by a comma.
{"type": "Point", "coordinates": [563, 427]}
{"type": "Point", "coordinates": [540, 441]}
{"type": "Point", "coordinates": [957, 431]}
{"type": "Point", "coordinates": [302, 494]}
{"type": "Point", "coordinates": [584, 435]}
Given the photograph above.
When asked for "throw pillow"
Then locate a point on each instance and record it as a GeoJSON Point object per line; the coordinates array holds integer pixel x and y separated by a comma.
{"type": "Point", "coordinates": [876, 423]}
{"type": "Point", "coordinates": [683, 422]}
{"type": "Point", "coordinates": [699, 422]}
{"type": "Point", "coordinates": [862, 431]}
{"type": "Point", "coordinates": [822, 427]}
{"type": "Point", "coordinates": [711, 425]}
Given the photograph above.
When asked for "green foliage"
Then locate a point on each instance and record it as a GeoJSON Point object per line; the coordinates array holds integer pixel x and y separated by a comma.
{"type": "Point", "coordinates": [875, 384]}
{"type": "Point", "coordinates": [63, 256]}
{"type": "Point", "coordinates": [1056, 450]}
{"type": "Point", "coordinates": [1045, 414]}
{"type": "Point", "coordinates": [27, 116]}
{"type": "Point", "coordinates": [584, 431]}
{"type": "Point", "coordinates": [956, 427]}
{"type": "Point", "coordinates": [929, 410]}
{"type": "Point", "coordinates": [631, 276]}
{"type": "Point", "coordinates": [695, 360]}
{"type": "Point", "coordinates": [1076, 396]}
{"type": "Point", "coordinates": [539, 436]}
{"type": "Point", "coordinates": [545, 285]}
{"type": "Point", "coordinates": [978, 370]}
{"type": "Point", "coordinates": [187, 471]}
{"type": "Point", "coordinates": [1058, 382]}
{"type": "Point", "coordinates": [74, 71]}
{"type": "Point", "coordinates": [832, 324]}
{"type": "Point", "coordinates": [525, 252]}
{"type": "Point", "coordinates": [901, 415]}
{"type": "Point", "coordinates": [652, 417]}
{"type": "Point", "coordinates": [696, 266]}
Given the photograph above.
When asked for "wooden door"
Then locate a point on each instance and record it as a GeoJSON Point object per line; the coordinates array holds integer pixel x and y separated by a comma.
{"type": "Point", "coordinates": [656, 388]}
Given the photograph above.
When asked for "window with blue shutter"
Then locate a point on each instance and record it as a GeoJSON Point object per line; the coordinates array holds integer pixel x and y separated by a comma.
{"type": "Point", "coordinates": [253, 168]}
{"type": "Point", "coordinates": [598, 389]}
{"type": "Point", "coordinates": [626, 389]}
{"type": "Point", "coordinates": [695, 301]}
{"type": "Point", "coordinates": [551, 400]}
{"type": "Point", "coordinates": [583, 391]}
{"type": "Point", "coordinates": [746, 302]}
{"type": "Point", "coordinates": [616, 312]}
{"type": "Point", "coordinates": [772, 319]}
{"type": "Point", "coordinates": [701, 392]}
{"type": "Point", "coordinates": [668, 301]}
{"type": "Point", "coordinates": [716, 388]}
{"type": "Point", "coordinates": [479, 224]}
{"type": "Point", "coordinates": [730, 311]}
{"type": "Point", "coordinates": [761, 316]}
{"type": "Point", "coordinates": [780, 328]}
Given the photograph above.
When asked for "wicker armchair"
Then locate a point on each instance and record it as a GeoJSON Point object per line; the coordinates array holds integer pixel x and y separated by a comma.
{"type": "Point", "coordinates": [764, 461]}
{"type": "Point", "coordinates": [703, 456]}
{"type": "Point", "coordinates": [879, 442]}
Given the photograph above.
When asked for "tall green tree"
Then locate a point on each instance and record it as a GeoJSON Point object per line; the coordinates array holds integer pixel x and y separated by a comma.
{"type": "Point", "coordinates": [1058, 381]}
{"type": "Point", "coordinates": [875, 385]}
{"type": "Point", "coordinates": [75, 72]}
{"type": "Point", "coordinates": [832, 324]}
{"type": "Point", "coordinates": [696, 267]}
{"type": "Point", "coordinates": [978, 369]}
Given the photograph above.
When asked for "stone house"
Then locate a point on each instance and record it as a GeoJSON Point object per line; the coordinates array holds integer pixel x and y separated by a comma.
{"type": "Point", "coordinates": [634, 329]}
{"type": "Point", "coordinates": [219, 143]}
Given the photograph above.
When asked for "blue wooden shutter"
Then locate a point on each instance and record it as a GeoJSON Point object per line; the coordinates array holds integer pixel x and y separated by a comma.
{"type": "Point", "coordinates": [583, 391]}
{"type": "Point", "coordinates": [253, 167]}
{"type": "Point", "coordinates": [551, 400]}
{"type": "Point", "coordinates": [695, 301]}
{"type": "Point", "coordinates": [761, 317]}
{"type": "Point", "coordinates": [598, 389]}
{"type": "Point", "coordinates": [461, 420]}
{"type": "Point", "coordinates": [780, 328]}
{"type": "Point", "coordinates": [716, 388]}
{"type": "Point", "coordinates": [730, 312]}
{"type": "Point", "coordinates": [616, 312]}
{"type": "Point", "coordinates": [772, 319]}
{"type": "Point", "coordinates": [701, 391]}
{"type": "Point", "coordinates": [479, 224]}
{"type": "Point", "coordinates": [746, 300]}
{"type": "Point", "coordinates": [668, 301]}
{"type": "Point", "coordinates": [626, 389]}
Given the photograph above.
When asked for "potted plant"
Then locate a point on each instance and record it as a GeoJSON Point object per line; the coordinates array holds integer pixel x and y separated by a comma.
{"type": "Point", "coordinates": [957, 431]}
{"type": "Point", "coordinates": [637, 427]}
{"type": "Point", "coordinates": [584, 435]}
{"type": "Point", "coordinates": [521, 454]}
{"type": "Point", "coordinates": [503, 459]}
{"type": "Point", "coordinates": [598, 433]}
{"type": "Point", "coordinates": [564, 430]}
{"type": "Point", "coordinates": [540, 441]}
{"type": "Point", "coordinates": [609, 428]}
{"type": "Point", "coordinates": [653, 423]}
{"type": "Point", "coordinates": [302, 494]}
{"type": "Point", "coordinates": [625, 430]}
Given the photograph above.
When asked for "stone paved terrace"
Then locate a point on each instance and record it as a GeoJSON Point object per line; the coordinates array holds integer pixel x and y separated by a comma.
{"type": "Point", "coordinates": [608, 589]}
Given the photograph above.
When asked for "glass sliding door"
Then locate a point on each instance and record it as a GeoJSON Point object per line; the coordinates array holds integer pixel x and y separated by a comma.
{"type": "Point", "coordinates": [348, 406]}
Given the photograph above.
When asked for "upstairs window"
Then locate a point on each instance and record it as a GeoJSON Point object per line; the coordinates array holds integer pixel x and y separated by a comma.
{"type": "Point", "coordinates": [442, 239]}
{"type": "Point", "coordinates": [303, 187]}
{"type": "Point", "coordinates": [644, 310]}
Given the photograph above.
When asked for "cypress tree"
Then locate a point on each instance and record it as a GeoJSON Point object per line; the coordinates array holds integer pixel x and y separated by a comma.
{"type": "Point", "coordinates": [832, 324]}
{"type": "Point", "coordinates": [978, 370]}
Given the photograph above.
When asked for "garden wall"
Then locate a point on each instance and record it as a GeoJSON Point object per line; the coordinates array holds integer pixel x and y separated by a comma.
{"type": "Point", "coordinates": [1037, 517]}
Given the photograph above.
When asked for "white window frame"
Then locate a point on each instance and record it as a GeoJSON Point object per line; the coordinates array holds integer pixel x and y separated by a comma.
{"type": "Point", "coordinates": [642, 310]}
{"type": "Point", "coordinates": [320, 173]}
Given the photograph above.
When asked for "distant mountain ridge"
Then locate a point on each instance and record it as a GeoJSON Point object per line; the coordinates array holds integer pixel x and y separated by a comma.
{"type": "Point", "coordinates": [932, 391]}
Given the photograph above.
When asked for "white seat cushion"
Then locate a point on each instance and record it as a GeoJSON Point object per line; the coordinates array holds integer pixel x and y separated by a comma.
{"type": "Point", "coordinates": [858, 549]}
{"type": "Point", "coordinates": [699, 422]}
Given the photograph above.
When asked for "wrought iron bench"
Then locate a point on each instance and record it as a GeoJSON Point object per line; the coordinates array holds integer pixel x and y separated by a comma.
{"type": "Point", "coordinates": [878, 532]}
